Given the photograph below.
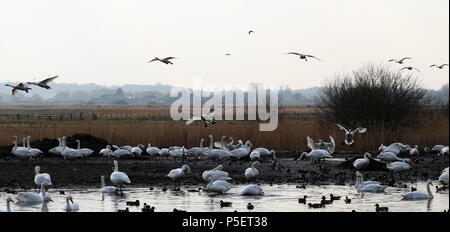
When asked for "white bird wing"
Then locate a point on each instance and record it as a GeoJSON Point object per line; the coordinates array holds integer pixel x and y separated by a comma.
{"type": "Point", "coordinates": [311, 56]}
{"type": "Point", "coordinates": [311, 143]}
{"type": "Point", "coordinates": [210, 115]}
{"type": "Point", "coordinates": [342, 128]}
{"type": "Point", "coordinates": [406, 58]}
{"type": "Point", "coordinates": [293, 53]}
{"type": "Point", "coordinates": [193, 119]}
{"type": "Point", "coordinates": [360, 130]}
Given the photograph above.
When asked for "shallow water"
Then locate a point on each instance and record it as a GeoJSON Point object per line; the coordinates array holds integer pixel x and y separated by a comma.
{"type": "Point", "coordinates": [278, 198]}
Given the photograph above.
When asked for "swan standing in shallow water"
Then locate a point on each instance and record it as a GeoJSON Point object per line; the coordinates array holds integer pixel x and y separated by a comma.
{"type": "Point", "coordinates": [217, 186]}
{"type": "Point", "coordinates": [41, 178]}
{"type": "Point", "coordinates": [70, 206]}
{"type": "Point", "coordinates": [350, 135]}
{"type": "Point", "coordinates": [107, 189]}
{"type": "Point", "coordinates": [31, 198]}
{"type": "Point", "coordinates": [119, 178]}
{"type": "Point", "coordinates": [252, 172]}
{"type": "Point", "coordinates": [251, 190]}
{"type": "Point", "coordinates": [420, 195]}
{"type": "Point", "coordinates": [368, 186]}
{"type": "Point", "coordinates": [361, 163]}
{"type": "Point", "coordinates": [215, 174]}
{"type": "Point", "coordinates": [316, 155]}
{"type": "Point", "coordinates": [179, 173]}
{"type": "Point", "coordinates": [8, 206]}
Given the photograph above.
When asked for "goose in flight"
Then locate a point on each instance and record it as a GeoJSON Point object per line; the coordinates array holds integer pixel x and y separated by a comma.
{"type": "Point", "coordinates": [207, 118]}
{"type": "Point", "coordinates": [166, 60]}
{"type": "Point", "coordinates": [401, 61]}
{"type": "Point", "coordinates": [44, 83]}
{"type": "Point", "coordinates": [438, 66]}
{"type": "Point", "coordinates": [350, 135]}
{"type": "Point", "coordinates": [19, 87]}
{"type": "Point", "coordinates": [410, 69]}
{"type": "Point", "coordinates": [303, 56]}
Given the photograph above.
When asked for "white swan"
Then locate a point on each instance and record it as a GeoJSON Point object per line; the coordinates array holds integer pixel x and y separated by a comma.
{"type": "Point", "coordinates": [164, 152]}
{"type": "Point", "coordinates": [41, 178]}
{"type": "Point", "coordinates": [252, 172]}
{"type": "Point", "coordinates": [265, 153]}
{"type": "Point", "coordinates": [21, 152]}
{"type": "Point", "coordinates": [57, 150]}
{"type": "Point", "coordinates": [415, 151]}
{"type": "Point", "coordinates": [444, 151]}
{"type": "Point", "coordinates": [120, 153]}
{"type": "Point", "coordinates": [177, 152]}
{"type": "Point", "coordinates": [251, 190]}
{"type": "Point", "coordinates": [196, 151]}
{"type": "Point", "coordinates": [437, 149]}
{"type": "Point", "coordinates": [215, 174]}
{"type": "Point", "coordinates": [398, 166]}
{"type": "Point", "coordinates": [84, 151]}
{"type": "Point", "coordinates": [106, 152]}
{"type": "Point", "coordinates": [255, 155]}
{"type": "Point", "coordinates": [8, 206]}
{"type": "Point", "coordinates": [368, 186]}
{"type": "Point", "coordinates": [443, 178]}
{"type": "Point", "coordinates": [137, 151]}
{"type": "Point", "coordinates": [361, 163]}
{"type": "Point", "coordinates": [217, 154]}
{"type": "Point", "coordinates": [218, 186]}
{"type": "Point", "coordinates": [152, 151]}
{"type": "Point", "coordinates": [34, 151]}
{"type": "Point", "coordinates": [350, 135]}
{"type": "Point", "coordinates": [388, 157]}
{"type": "Point", "coordinates": [107, 189]}
{"type": "Point", "coordinates": [420, 195]}
{"type": "Point", "coordinates": [242, 152]}
{"type": "Point", "coordinates": [69, 153]}
{"type": "Point", "coordinates": [321, 145]}
{"type": "Point", "coordinates": [70, 206]}
{"type": "Point", "coordinates": [316, 155]}
{"type": "Point", "coordinates": [119, 178]}
{"type": "Point", "coordinates": [177, 174]}
{"type": "Point", "coordinates": [31, 197]}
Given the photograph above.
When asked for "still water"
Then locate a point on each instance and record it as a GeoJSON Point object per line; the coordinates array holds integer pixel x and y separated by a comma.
{"type": "Point", "coordinates": [278, 198]}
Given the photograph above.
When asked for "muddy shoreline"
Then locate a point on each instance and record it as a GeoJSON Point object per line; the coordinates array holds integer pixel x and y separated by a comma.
{"type": "Point", "coordinates": [145, 172]}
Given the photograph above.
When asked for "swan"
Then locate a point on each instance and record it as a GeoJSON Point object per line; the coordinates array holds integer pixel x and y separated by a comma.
{"type": "Point", "coordinates": [176, 152]}
{"type": "Point", "coordinates": [69, 153]}
{"type": "Point", "coordinates": [401, 61]}
{"type": "Point", "coordinates": [264, 153]}
{"type": "Point", "coordinates": [119, 178]}
{"type": "Point", "coordinates": [107, 189]}
{"type": "Point", "coordinates": [34, 151]}
{"type": "Point", "coordinates": [21, 152]}
{"type": "Point", "coordinates": [19, 87]}
{"type": "Point", "coordinates": [218, 186]}
{"type": "Point", "coordinates": [251, 190]}
{"type": "Point", "coordinates": [398, 166]}
{"type": "Point", "coordinates": [443, 178]}
{"type": "Point", "coordinates": [40, 178]}
{"type": "Point", "coordinates": [242, 152]}
{"type": "Point", "coordinates": [152, 151]}
{"type": "Point", "coordinates": [57, 150]}
{"type": "Point", "coordinates": [216, 174]}
{"type": "Point", "coordinates": [207, 118]}
{"type": "Point", "coordinates": [255, 155]}
{"type": "Point", "coordinates": [368, 186]}
{"type": "Point", "coordinates": [179, 173]}
{"type": "Point", "coordinates": [84, 151]}
{"type": "Point", "coordinates": [218, 154]}
{"type": "Point", "coordinates": [303, 56]}
{"type": "Point", "coordinates": [196, 151]}
{"type": "Point", "coordinates": [415, 151]}
{"type": "Point", "coordinates": [350, 135]}
{"type": "Point", "coordinates": [31, 197]}
{"type": "Point", "coordinates": [316, 155]}
{"type": "Point", "coordinates": [44, 83]}
{"type": "Point", "coordinates": [437, 148]}
{"type": "Point", "coordinates": [388, 157]}
{"type": "Point", "coordinates": [361, 163]}
{"type": "Point", "coordinates": [119, 153]}
{"type": "Point", "coordinates": [444, 151]}
{"type": "Point", "coordinates": [222, 144]}
{"type": "Point", "coordinates": [8, 205]}
{"type": "Point", "coordinates": [137, 151]}
{"type": "Point", "coordinates": [106, 152]}
{"type": "Point", "coordinates": [70, 206]}
{"type": "Point", "coordinates": [164, 152]}
{"type": "Point", "coordinates": [321, 145]}
{"type": "Point", "coordinates": [420, 195]}
{"type": "Point", "coordinates": [252, 172]}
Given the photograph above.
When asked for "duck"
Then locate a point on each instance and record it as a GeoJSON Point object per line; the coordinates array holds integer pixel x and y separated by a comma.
{"type": "Point", "coordinates": [40, 178]}
{"type": "Point", "coordinates": [420, 195]}
{"type": "Point", "coordinates": [70, 206]}
{"type": "Point", "coordinates": [250, 206]}
{"type": "Point", "coordinates": [216, 174]}
{"type": "Point", "coordinates": [302, 200]}
{"type": "Point", "coordinates": [316, 155]}
{"type": "Point", "coordinates": [224, 204]}
{"type": "Point", "coordinates": [252, 172]}
{"type": "Point", "coordinates": [107, 189]}
{"type": "Point", "coordinates": [316, 205]}
{"type": "Point", "coordinates": [251, 190]}
{"type": "Point", "coordinates": [347, 200]}
{"type": "Point", "coordinates": [133, 203]}
{"type": "Point", "coordinates": [106, 152]}
{"type": "Point", "coordinates": [119, 178]}
{"type": "Point", "coordinates": [147, 209]}
{"type": "Point", "coordinates": [8, 205]}
{"type": "Point", "coordinates": [381, 209]}
{"type": "Point", "coordinates": [362, 163]}
{"type": "Point", "coordinates": [350, 135]}
{"type": "Point", "coordinates": [335, 198]}
{"type": "Point", "coordinates": [324, 201]}
{"type": "Point", "coordinates": [179, 173]}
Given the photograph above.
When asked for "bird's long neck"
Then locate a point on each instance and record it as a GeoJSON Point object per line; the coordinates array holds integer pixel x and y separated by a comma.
{"type": "Point", "coordinates": [429, 190]}
{"type": "Point", "coordinates": [78, 145]}
{"type": "Point", "coordinates": [59, 142]}
{"type": "Point", "coordinates": [116, 167]}
{"type": "Point", "coordinates": [211, 142]}
{"type": "Point", "coordinates": [8, 206]}
{"type": "Point", "coordinates": [24, 142]}
{"type": "Point", "coordinates": [10, 86]}
{"type": "Point", "coordinates": [201, 143]}
{"type": "Point", "coordinates": [103, 182]}
{"type": "Point", "coordinates": [44, 206]}
{"type": "Point", "coordinates": [28, 143]}
{"type": "Point", "coordinates": [43, 191]}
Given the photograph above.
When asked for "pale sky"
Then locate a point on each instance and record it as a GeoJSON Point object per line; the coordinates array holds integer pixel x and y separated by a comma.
{"type": "Point", "coordinates": [109, 41]}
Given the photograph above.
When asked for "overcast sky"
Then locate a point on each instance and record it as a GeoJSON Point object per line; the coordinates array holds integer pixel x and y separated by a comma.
{"type": "Point", "coordinates": [109, 42]}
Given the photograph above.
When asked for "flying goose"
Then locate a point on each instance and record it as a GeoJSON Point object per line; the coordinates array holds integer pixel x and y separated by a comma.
{"type": "Point", "coordinates": [44, 83]}
{"type": "Point", "coordinates": [438, 66]}
{"type": "Point", "coordinates": [166, 60]}
{"type": "Point", "coordinates": [303, 56]}
{"type": "Point", "coordinates": [401, 60]}
{"type": "Point", "coordinates": [410, 69]}
{"type": "Point", "coordinates": [19, 87]}
{"type": "Point", "coordinates": [349, 135]}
